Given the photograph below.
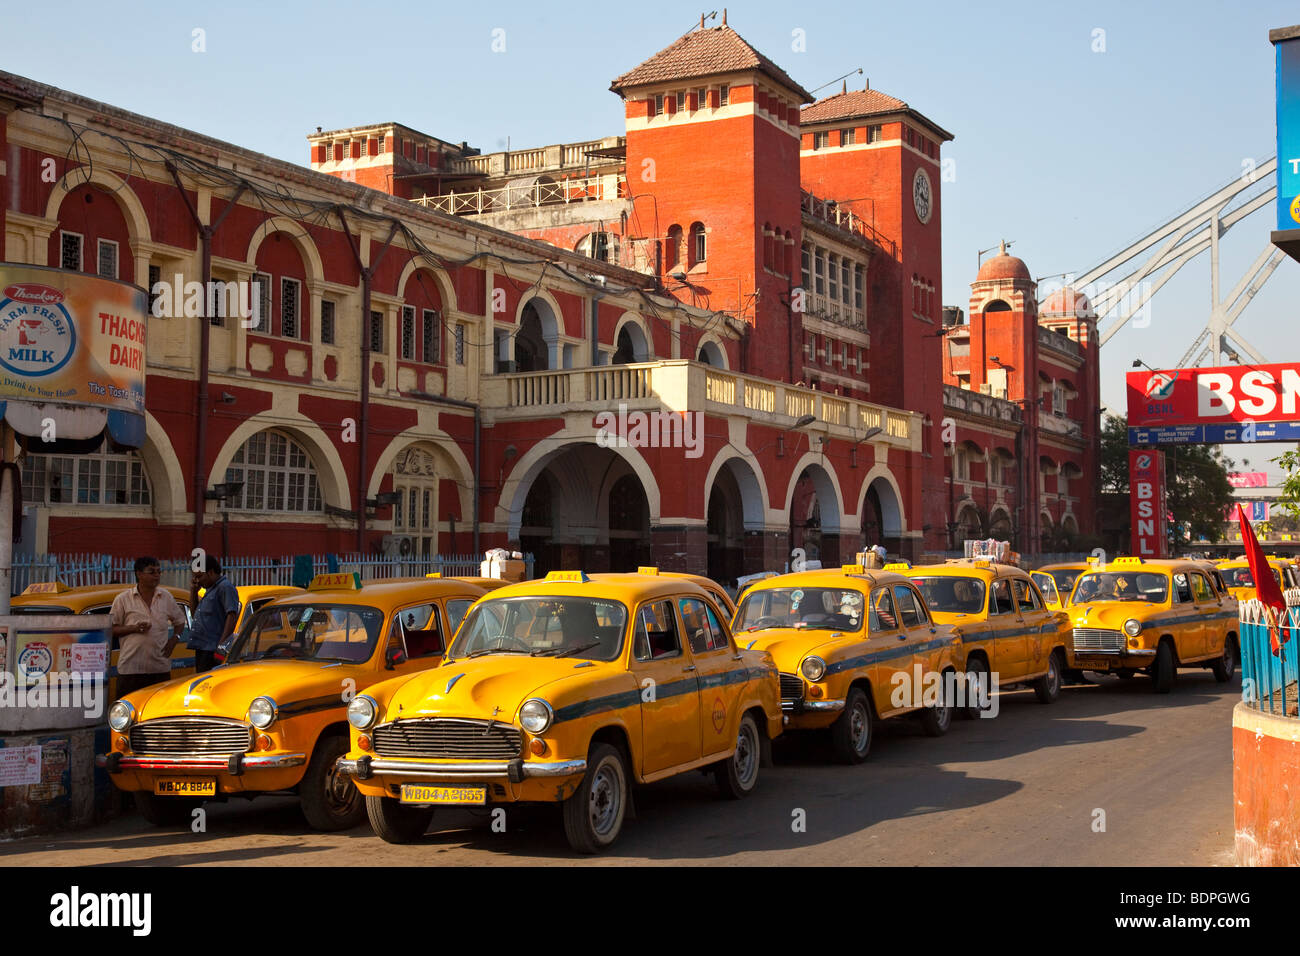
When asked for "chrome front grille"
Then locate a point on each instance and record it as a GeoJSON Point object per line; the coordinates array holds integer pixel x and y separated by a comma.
{"type": "Point", "coordinates": [791, 687]}
{"type": "Point", "coordinates": [1096, 641]}
{"type": "Point", "coordinates": [191, 735]}
{"type": "Point", "coordinates": [448, 738]}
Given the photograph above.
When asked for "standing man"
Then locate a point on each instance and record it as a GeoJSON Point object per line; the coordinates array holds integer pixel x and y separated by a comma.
{"type": "Point", "coordinates": [140, 617]}
{"type": "Point", "coordinates": [214, 615]}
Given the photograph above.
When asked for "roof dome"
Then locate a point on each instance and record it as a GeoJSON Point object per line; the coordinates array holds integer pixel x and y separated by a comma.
{"type": "Point", "coordinates": [1003, 266]}
{"type": "Point", "coordinates": [1066, 301]}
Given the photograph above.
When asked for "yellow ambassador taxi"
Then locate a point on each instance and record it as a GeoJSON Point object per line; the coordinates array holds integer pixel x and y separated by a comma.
{"type": "Point", "coordinates": [567, 690]}
{"type": "Point", "coordinates": [272, 719]}
{"type": "Point", "coordinates": [1056, 581]}
{"type": "Point", "coordinates": [1241, 585]}
{"type": "Point", "coordinates": [845, 640]}
{"type": "Point", "coordinates": [1155, 615]}
{"type": "Point", "coordinates": [1005, 625]}
{"type": "Point", "coordinates": [55, 597]}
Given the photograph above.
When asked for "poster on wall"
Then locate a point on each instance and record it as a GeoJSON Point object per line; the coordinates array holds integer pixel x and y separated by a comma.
{"type": "Point", "coordinates": [67, 338]}
{"type": "Point", "coordinates": [20, 766]}
{"type": "Point", "coordinates": [39, 653]}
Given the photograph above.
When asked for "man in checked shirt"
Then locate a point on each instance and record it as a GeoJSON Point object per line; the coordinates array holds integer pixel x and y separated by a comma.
{"type": "Point", "coordinates": [140, 617]}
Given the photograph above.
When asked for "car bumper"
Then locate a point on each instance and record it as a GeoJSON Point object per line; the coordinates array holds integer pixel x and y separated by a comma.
{"type": "Point", "coordinates": [811, 706]}
{"type": "Point", "coordinates": [235, 764]}
{"type": "Point", "coordinates": [515, 771]}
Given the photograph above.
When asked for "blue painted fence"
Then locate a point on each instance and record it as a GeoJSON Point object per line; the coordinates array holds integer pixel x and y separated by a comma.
{"type": "Point", "coordinates": [1265, 677]}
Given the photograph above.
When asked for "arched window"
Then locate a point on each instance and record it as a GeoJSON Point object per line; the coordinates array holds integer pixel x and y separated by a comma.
{"type": "Point", "coordinates": [104, 477]}
{"type": "Point", "coordinates": [699, 250]}
{"type": "Point", "coordinates": [787, 254]}
{"type": "Point", "coordinates": [277, 473]}
{"type": "Point", "coordinates": [673, 248]}
{"type": "Point", "coordinates": [805, 274]}
{"type": "Point", "coordinates": [415, 478]}
{"type": "Point", "coordinates": [769, 246]}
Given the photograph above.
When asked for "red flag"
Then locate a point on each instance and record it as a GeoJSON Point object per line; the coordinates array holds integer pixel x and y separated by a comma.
{"type": "Point", "coordinates": [1267, 590]}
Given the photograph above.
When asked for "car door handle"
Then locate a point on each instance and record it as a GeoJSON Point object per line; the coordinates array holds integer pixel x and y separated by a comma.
{"type": "Point", "coordinates": [691, 668]}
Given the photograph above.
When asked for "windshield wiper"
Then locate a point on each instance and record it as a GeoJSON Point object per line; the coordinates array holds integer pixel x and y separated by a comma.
{"type": "Point", "coordinates": [758, 627]}
{"type": "Point", "coordinates": [562, 651]}
{"type": "Point", "coordinates": [495, 650]}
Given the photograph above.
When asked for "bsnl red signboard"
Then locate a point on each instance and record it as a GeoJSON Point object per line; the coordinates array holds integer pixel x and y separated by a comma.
{"type": "Point", "coordinates": [1234, 403]}
{"type": "Point", "coordinates": [1146, 484]}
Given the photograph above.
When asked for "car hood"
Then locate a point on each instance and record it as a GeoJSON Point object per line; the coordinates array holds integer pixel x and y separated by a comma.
{"type": "Point", "coordinates": [1111, 615]}
{"type": "Point", "coordinates": [227, 691]}
{"type": "Point", "coordinates": [788, 645]}
{"type": "Point", "coordinates": [495, 685]}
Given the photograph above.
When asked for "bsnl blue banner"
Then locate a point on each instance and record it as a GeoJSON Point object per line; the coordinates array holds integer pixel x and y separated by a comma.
{"type": "Point", "coordinates": [1233, 433]}
{"type": "Point", "coordinates": [1288, 133]}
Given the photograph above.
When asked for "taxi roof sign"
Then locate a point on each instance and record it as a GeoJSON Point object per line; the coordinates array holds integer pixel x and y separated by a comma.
{"type": "Point", "coordinates": [898, 566]}
{"type": "Point", "coordinates": [647, 569]}
{"type": "Point", "coordinates": [573, 576]}
{"type": "Point", "coordinates": [853, 569]}
{"type": "Point", "coordinates": [46, 587]}
{"type": "Point", "coordinates": [341, 581]}
{"type": "Point", "coordinates": [1128, 561]}
{"type": "Point", "coordinates": [434, 574]}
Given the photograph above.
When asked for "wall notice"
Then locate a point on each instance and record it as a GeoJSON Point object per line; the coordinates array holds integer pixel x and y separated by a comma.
{"type": "Point", "coordinates": [20, 766]}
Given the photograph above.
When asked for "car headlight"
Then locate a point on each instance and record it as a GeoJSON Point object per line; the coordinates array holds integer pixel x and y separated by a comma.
{"type": "Point", "coordinates": [120, 715]}
{"type": "Point", "coordinates": [1132, 627]}
{"type": "Point", "coordinates": [262, 712]}
{"type": "Point", "coordinates": [813, 668]}
{"type": "Point", "coordinates": [536, 715]}
{"type": "Point", "coordinates": [362, 712]}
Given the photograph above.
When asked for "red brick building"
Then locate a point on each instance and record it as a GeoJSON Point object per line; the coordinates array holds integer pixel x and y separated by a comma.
{"type": "Point", "coordinates": [458, 328]}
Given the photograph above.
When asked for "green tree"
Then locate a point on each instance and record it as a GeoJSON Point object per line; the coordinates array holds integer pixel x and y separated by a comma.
{"type": "Point", "coordinates": [1196, 482]}
{"type": "Point", "coordinates": [1289, 502]}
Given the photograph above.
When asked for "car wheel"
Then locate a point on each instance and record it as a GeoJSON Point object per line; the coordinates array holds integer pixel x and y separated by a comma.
{"type": "Point", "coordinates": [1163, 669]}
{"type": "Point", "coordinates": [851, 732]}
{"type": "Point", "coordinates": [1048, 687]}
{"type": "Point", "coordinates": [977, 676]}
{"type": "Point", "coordinates": [164, 811]}
{"type": "Point", "coordinates": [1226, 665]}
{"type": "Point", "coordinates": [593, 816]}
{"type": "Point", "coordinates": [329, 800]}
{"type": "Point", "coordinates": [935, 721]}
{"type": "Point", "coordinates": [738, 775]}
{"type": "Point", "coordinates": [395, 822]}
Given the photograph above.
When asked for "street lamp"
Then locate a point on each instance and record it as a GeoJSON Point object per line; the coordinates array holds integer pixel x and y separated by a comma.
{"type": "Point", "coordinates": [223, 492]}
{"type": "Point", "coordinates": [869, 434]}
{"type": "Point", "coordinates": [803, 421]}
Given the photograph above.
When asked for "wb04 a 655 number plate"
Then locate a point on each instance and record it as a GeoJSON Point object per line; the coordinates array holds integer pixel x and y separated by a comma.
{"type": "Point", "coordinates": [419, 793]}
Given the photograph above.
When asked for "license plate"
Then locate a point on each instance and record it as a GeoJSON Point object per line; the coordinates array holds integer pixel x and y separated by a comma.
{"type": "Point", "coordinates": [185, 787]}
{"type": "Point", "coordinates": [1100, 663]}
{"type": "Point", "coordinates": [418, 793]}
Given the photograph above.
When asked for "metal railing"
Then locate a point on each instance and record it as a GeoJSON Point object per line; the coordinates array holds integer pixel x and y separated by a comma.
{"type": "Point", "coordinates": [544, 192]}
{"type": "Point", "coordinates": [77, 570]}
{"type": "Point", "coordinates": [831, 212]}
{"type": "Point", "coordinates": [1269, 680]}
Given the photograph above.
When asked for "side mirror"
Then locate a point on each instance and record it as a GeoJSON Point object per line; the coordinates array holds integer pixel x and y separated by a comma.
{"type": "Point", "coordinates": [394, 656]}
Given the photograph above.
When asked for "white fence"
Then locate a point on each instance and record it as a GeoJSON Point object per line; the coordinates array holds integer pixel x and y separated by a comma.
{"type": "Point", "coordinates": [83, 569]}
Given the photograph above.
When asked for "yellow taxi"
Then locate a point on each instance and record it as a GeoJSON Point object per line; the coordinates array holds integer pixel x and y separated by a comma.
{"type": "Point", "coordinates": [1056, 581]}
{"type": "Point", "coordinates": [567, 690]}
{"type": "Point", "coordinates": [1236, 574]}
{"type": "Point", "coordinates": [55, 597]}
{"type": "Point", "coordinates": [252, 598]}
{"type": "Point", "coordinates": [1005, 626]}
{"type": "Point", "coordinates": [273, 717]}
{"type": "Point", "coordinates": [849, 643]}
{"type": "Point", "coordinates": [1154, 615]}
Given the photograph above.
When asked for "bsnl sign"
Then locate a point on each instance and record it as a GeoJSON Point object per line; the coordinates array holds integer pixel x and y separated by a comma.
{"type": "Point", "coordinates": [1146, 482]}
{"type": "Point", "coordinates": [1214, 405]}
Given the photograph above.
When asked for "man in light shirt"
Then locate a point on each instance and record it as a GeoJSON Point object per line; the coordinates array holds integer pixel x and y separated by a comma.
{"type": "Point", "coordinates": [140, 617]}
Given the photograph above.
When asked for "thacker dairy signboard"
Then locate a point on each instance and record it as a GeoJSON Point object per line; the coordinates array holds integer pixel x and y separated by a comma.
{"type": "Point", "coordinates": [1235, 403]}
{"type": "Point", "coordinates": [71, 339]}
{"type": "Point", "coordinates": [1288, 128]}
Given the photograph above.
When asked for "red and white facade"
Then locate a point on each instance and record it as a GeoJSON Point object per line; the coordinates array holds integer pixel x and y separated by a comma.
{"type": "Point", "coordinates": [738, 256]}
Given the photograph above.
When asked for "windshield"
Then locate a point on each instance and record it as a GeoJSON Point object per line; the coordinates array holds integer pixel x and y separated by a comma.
{"type": "Point", "coordinates": [1064, 578]}
{"type": "Point", "coordinates": [1121, 586]}
{"type": "Point", "coordinates": [1242, 578]}
{"type": "Point", "coordinates": [456, 609]}
{"type": "Point", "coordinates": [832, 609]}
{"type": "Point", "coordinates": [952, 595]}
{"type": "Point", "coordinates": [586, 628]}
{"type": "Point", "coordinates": [319, 632]}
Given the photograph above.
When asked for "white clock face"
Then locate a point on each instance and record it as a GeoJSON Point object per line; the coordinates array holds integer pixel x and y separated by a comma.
{"type": "Point", "coordinates": [922, 197]}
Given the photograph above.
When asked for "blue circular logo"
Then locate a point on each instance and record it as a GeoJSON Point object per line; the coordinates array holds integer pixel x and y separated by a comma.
{"type": "Point", "coordinates": [36, 338]}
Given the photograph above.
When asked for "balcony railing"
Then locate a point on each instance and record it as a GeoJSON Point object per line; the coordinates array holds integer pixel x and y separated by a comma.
{"type": "Point", "coordinates": [680, 385]}
{"type": "Point", "coordinates": [1059, 341]}
{"type": "Point", "coordinates": [974, 403]}
{"type": "Point", "coordinates": [831, 212]}
{"type": "Point", "coordinates": [525, 196]}
{"type": "Point", "coordinates": [539, 159]}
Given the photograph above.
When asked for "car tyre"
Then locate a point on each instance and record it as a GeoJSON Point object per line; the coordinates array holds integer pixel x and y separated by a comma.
{"type": "Point", "coordinates": [976, 671]}
{"type": "Point", "coordinates": [1048, 687]}
{"type": "Point", "coordinates": [329, 800]}
{"type": "Point", "coordinates": [935, 721]}
{"type": "Point", "coordinates": [164, 811]}
{"type": "Point", "coordinates": [737, 776]}
{"type": "Point", "coordinates": [1162, 674]}
{"type": "Point", "coordinates": [1226, 665]}
{"type": "Point", "coordinates": [851, 733]}
{"type": "Point", "coordinates": [593, 816]}
{"type": "Point", "coordinates": [395, 822]}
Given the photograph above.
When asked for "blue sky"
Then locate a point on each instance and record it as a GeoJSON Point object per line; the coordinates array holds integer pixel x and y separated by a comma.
{"type": "Point", "coordinates": [1068, 152]}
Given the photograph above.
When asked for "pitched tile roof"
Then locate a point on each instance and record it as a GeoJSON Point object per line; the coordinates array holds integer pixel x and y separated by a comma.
{"type": "Point", "coordinates": [703, 53]}
{"type": "Point", "coordinates": [854, 103]}
{"type": "Point", "coordinates": [11, 89]}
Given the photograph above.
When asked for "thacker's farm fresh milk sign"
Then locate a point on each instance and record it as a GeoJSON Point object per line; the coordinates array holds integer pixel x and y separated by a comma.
{"type": "Point", "coordinates": [71, 339]}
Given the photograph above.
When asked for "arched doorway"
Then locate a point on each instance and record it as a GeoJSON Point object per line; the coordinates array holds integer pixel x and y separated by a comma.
{"type": "Point", "coordinates": [630, 346]}
{"type": "Point", "coordinates": [815, 517]}
{"type": "Point", "coordinates": [629, 525]}
{"type": "Point", "coordinates": [531, 353]}
{"type": "Point", "coordinates": [882, 518]}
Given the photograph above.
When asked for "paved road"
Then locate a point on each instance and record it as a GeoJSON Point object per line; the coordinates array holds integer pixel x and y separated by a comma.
{"type": "Point", "coordinates": [1020, 789]}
